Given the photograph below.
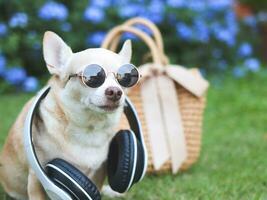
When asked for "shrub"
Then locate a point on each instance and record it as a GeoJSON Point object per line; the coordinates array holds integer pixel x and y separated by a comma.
{"type": "Point", "coordinates": [204, 34]}
{"type": "Point", "coordinates": [256, 6]}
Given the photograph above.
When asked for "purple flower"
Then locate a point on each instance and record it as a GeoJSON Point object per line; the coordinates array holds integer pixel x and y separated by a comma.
{"type": "Point", "coordinates": [32, 35]}
{"type": "Point", "coordinates": [226, 36]}
{"type": "Point", "coordinates": [94, 14]}
{"type": "Point", "coordinates": [53, 10]}
{"type": "Point", "coordinates": [215, 27]}
{"type": "Point", "coordinates": [101, 3]}
{"type": "Point", "coordinates": [217, 53]}
{"type": "Point", "coordinates": [239, 72]}
{"type": "Point", "coordinates": [245, 49]}
{"type": "Point", "coordinates": [130, 10]}
{"type": "Point", "coordinates": [252, 64]}
{"type": "Point", "coordinates": [219, 5]}
{"type": "Point", "coordinates": [15, 75]}
{"type": "Point", "coordinates": [155, 11]}
{"type": "Point", "coordinates": [30, 84]}
{"type": "Point", "coordinates": [184, 31]}
{"type": "Point", "coordinates": [222, 65]}
{"type": "Point", "coordinates": [172, 18]}
{"type": "Point", "coordinates": [2, 64]}
{"type": "Point", "coordinates": [3, 29]}
{"type": "Point", "coordinates": [36, 45]}
{"type": "Point", "coordinates": [196, 5]}
{"type": "Point", "coordinates": [231, 21]}
{"type": "Point", "coordinates": [262, 16]}
{"type": "Point", "coordinates": [19, 19]}
{"type": "Point", "coordinates": [250, 21]}
{"type": "Point", "coordinates": [96, 38]}
{"type": "Point", "coordinates": [66, 27]}
{"type": "Point", "coordinates": [129, 36]}
{"type": "Point", "coordinates": [176, 3]}
{"type": "Point", "coordinates": [202, 30]}
{"type": "Point", "coordinates": [144, 29]}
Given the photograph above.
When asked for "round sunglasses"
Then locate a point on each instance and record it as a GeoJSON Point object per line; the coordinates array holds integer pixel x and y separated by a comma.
{"type": "Point", "coordinates": [94, 75]}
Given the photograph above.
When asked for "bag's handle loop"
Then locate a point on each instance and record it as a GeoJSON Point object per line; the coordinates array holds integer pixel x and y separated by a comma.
{"type": "Point", "coordinates": [152, 27]}
{"type": "Point", "coordinates": [113, 33]}
{"type": "Point", "coordinates": [147, 23]}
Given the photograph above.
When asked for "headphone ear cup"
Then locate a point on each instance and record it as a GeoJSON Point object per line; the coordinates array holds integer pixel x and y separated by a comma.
{"type": "Point", "coordinates": [121, 161]}
{"type": "Point", "coordinates": [71, 180]}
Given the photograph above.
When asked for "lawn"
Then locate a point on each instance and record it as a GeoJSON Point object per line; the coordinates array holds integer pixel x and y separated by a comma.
{"type": "Point", "coordinates": [233, 162]}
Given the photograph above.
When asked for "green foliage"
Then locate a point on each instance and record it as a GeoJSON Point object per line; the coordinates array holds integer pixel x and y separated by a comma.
{"type": "Point", "coordinates": [257, 6]}
{"type": "Point", "coordinates": [204, 34]}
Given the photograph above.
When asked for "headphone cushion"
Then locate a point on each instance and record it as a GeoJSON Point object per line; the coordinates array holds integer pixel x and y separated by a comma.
{"type": "Point", "coordinates": [73, 181]}
{"type": "Point", "coordinates": [121, 160]}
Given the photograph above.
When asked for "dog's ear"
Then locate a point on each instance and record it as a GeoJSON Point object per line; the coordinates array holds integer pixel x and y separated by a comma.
{"type": "Point", "coordinates": [56, 53]}
{"type": "Point", "coordinates": [126, 51]}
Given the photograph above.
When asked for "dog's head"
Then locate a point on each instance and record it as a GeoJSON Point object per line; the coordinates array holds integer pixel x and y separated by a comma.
{"type": "Point", "coordinates": [62, 63]}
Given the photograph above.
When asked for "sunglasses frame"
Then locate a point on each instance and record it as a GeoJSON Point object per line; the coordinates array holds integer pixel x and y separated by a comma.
{"type": "Point", "coordinates": [81, 76]}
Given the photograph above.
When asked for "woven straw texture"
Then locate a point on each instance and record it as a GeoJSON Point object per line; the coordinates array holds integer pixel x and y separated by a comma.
{"type": "Point", "coordinates": [191, 109]}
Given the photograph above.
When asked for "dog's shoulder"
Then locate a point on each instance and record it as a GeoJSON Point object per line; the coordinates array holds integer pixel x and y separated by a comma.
{"type": "Point", "coordinates": [19, 123]}
{"type": "Point", "coordinates": [14, 142]}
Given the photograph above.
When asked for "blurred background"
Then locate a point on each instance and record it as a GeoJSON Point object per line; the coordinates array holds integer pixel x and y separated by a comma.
{"type": "Point", "coordinates": [226, 39]}
{"type": "Point", "coordinates": [220, 37]}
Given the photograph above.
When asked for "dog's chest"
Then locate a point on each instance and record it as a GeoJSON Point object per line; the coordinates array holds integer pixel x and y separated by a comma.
{"type": "Point", "coordinates": [84, 148]}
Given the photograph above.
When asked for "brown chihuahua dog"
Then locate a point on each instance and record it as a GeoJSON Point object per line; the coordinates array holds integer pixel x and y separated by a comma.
{"type": "Point", "coordinates": [74, 122]}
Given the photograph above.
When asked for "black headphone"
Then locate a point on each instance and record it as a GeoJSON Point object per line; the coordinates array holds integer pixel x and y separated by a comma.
{"type": "Point", "coordinates": [126, 164]}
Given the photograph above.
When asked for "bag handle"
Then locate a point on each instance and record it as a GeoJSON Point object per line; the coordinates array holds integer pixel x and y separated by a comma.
{"type": "Point", "coordinates": [152, 27]}
{"type": "Point", "coordinates": [146, 23]}
{"type": "Point", "coordinates": [117, 31]}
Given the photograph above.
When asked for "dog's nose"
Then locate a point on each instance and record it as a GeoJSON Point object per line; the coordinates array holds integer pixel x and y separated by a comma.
{"type": "Point", "coordinates": [113, 93]}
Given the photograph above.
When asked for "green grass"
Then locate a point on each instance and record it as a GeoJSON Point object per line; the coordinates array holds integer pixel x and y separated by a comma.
{"type": "Point", "coordinates": [233, 162]}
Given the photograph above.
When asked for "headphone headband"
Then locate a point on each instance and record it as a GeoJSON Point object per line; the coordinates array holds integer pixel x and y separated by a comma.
{"type": "Point", "coordinates": [135, 125]}
{"type": "Point", "coordinates": [51, 189]}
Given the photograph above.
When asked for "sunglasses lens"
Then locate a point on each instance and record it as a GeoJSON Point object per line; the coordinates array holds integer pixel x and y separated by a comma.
{"type": "Point", "coordinates": [94, 76]}
{"type": "Point", "coordinates": [128, 75]}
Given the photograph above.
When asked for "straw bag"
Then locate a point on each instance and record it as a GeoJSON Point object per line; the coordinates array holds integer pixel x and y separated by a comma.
{"type": "Point", "coordinates": [169, 100]}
